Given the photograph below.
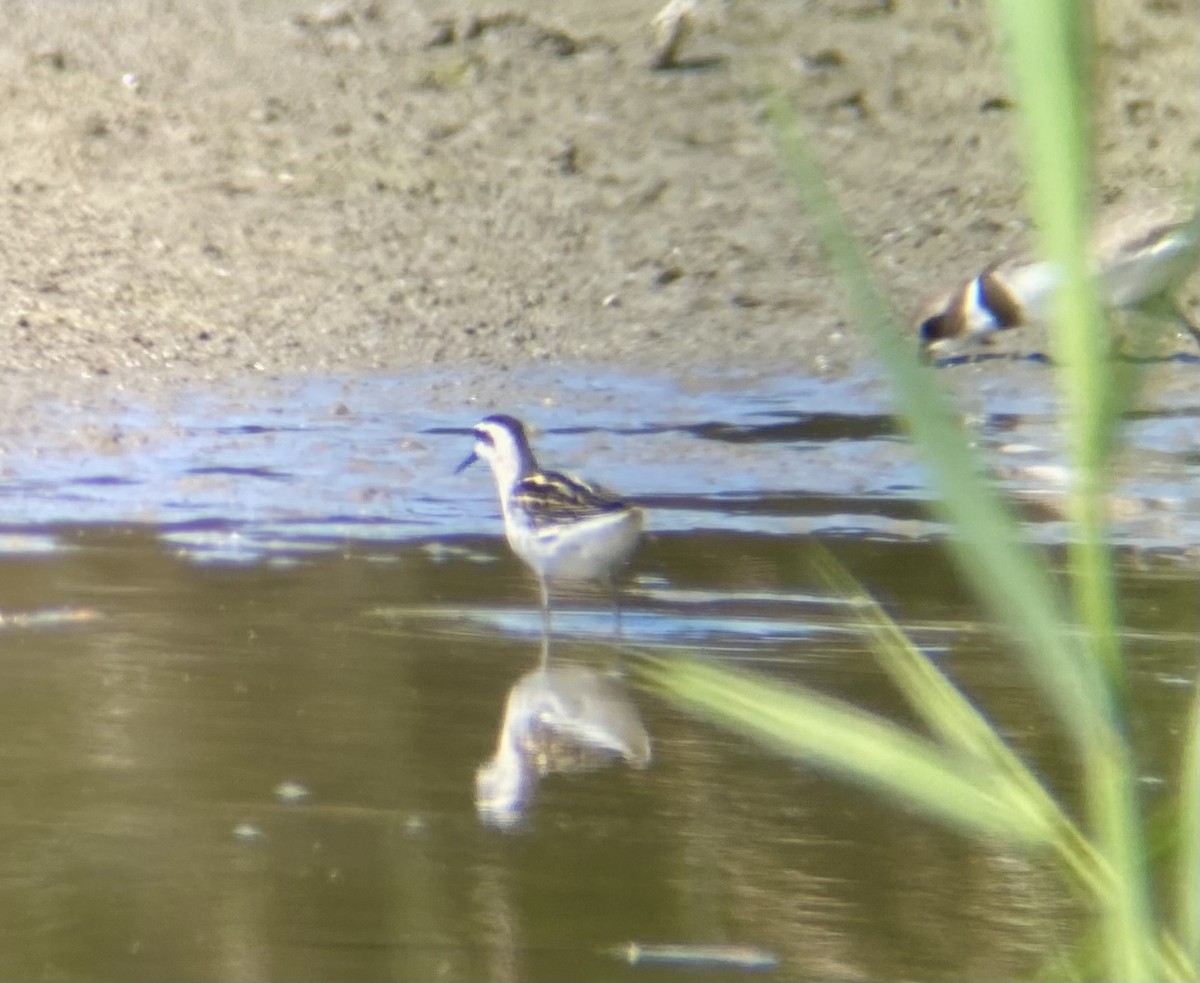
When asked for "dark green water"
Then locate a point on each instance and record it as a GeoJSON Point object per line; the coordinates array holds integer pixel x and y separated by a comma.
{"type": "Point", "coordinates": [249, 669]}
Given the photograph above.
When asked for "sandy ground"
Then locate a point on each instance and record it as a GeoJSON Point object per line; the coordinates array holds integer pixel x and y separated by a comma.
{"type": "Point", "coordinates": [227, 187]}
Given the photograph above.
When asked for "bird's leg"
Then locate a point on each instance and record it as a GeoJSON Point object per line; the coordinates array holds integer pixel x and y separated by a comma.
{"type": "Point", "coordinates": [616, 602]}
{"type": "Point", "coordinates": [546, 626]}
{"type": "Point", "coordinates": [1188, 325]}
{"type": "Point", "coordinates": [1166, 309]}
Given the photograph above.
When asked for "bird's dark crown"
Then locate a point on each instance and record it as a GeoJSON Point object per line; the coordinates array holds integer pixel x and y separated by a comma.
{"type": "Point", "coordinates": [509, 423]}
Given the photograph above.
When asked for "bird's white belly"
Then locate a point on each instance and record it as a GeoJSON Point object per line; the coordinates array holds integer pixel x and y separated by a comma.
{"type": "Point", "coordinates": [587, 550]}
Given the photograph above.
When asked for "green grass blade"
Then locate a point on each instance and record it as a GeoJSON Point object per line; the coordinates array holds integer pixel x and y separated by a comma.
{"type": "Point", "coordinates": [857, 746]}
{"type": "Point", "coordinates": [948, 714]}
{"type": "Point", "coordinates": [954, 719]}
{"type": "Point", "coordinates": [1050, 48]}
{"type": "Point", "coordinates": [987, 541]}
{"type": "Point", "coordinates": [1187, 915]}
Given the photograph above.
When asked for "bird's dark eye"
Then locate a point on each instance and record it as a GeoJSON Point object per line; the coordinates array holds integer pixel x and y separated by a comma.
{"type": "Point", "coordinates": [484, 437]}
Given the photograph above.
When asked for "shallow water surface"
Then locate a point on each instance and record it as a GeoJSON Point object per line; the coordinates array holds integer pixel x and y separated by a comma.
{"type": "Point", "coordinates": [257, 646]}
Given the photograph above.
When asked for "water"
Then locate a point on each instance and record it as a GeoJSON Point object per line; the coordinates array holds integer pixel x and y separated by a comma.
{"type": "Point", "coordinates": [256, 644]}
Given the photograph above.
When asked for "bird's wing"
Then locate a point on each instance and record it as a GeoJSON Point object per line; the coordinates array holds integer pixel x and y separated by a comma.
{"type": "Point", "coordinates": [548, 497]}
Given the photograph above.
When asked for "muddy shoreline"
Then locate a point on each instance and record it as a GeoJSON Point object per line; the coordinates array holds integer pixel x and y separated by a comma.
{"type": "Point", "coordinates": [233, 190]}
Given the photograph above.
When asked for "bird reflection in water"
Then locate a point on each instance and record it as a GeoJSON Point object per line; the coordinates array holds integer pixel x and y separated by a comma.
{"type": "Point", "coordinates": [564, 719]}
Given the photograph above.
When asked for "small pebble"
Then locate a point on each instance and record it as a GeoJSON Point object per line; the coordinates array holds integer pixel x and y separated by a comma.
{"type": "Point", "coordinates": [671, 27]}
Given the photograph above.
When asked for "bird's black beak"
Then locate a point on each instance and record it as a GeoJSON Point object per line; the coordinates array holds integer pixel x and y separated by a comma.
{"type": "Point", "coordinates": [471, 459]}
